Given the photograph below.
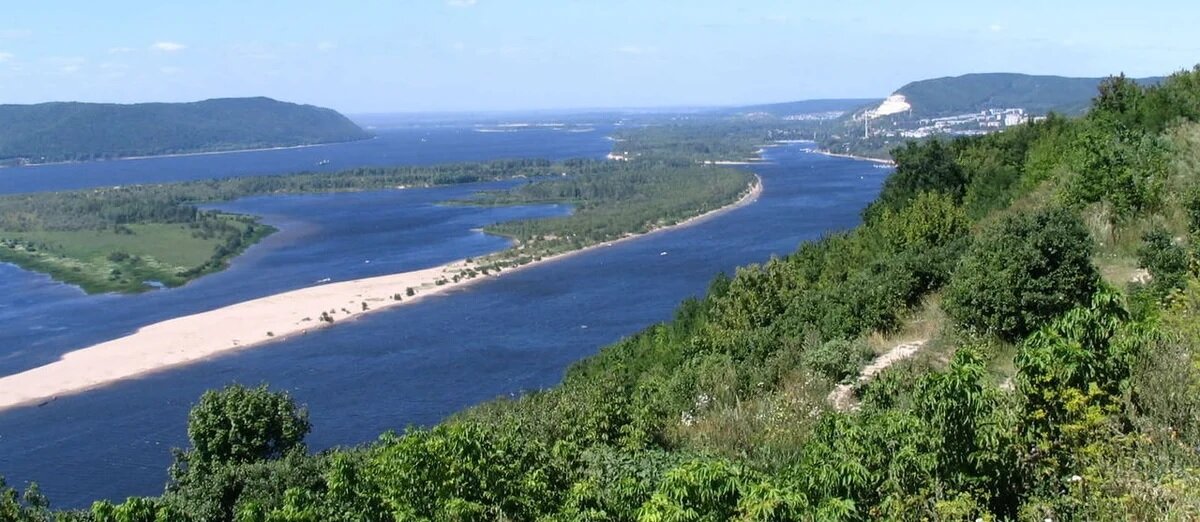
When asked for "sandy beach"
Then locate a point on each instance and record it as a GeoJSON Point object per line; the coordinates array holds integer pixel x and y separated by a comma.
{"type": "Point", "coordinates": [860, 158]}
{"type": "Point", "coordinates": [192, 338]}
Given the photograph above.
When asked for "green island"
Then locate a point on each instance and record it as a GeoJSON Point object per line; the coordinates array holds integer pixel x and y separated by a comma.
{"type": "Point", "coordinates": [1012, 334]}
{"type": "Point", "coordinates": [72, 131]}
{"type": "Point", "coordinates": [131, 239]}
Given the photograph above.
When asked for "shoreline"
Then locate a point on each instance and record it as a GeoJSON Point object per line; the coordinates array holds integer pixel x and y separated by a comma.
{"type": "Point", "coordinates": [880, 161]}
{"type": "Point", "coordinates": [186, 154]}
{"type": "Point", "coordinates": [188, 339]}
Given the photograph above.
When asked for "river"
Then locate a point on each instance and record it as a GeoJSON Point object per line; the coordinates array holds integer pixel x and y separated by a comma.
{"type": "Point", "coordinates": [413, 365]}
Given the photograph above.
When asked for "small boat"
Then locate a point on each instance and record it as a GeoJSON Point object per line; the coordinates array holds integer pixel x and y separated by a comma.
{"type": "Point", "coordinates": [662, 253]}
{"type": "Point", "coordinates": [323, 162]}
{"type": "Point", "coordinates": [326, 280]}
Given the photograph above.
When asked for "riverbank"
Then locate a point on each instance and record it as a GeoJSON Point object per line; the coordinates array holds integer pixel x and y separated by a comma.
{"type": "Point", "coordinates": [852, 156]}
{"type": "Point", "coordinates": [192, 338]}
{"type": "Point", "coordinates": [185, 154]}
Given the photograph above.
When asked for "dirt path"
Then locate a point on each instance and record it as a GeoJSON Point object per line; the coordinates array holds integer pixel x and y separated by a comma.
{"type": "Point", "coordinates": [842, 396]}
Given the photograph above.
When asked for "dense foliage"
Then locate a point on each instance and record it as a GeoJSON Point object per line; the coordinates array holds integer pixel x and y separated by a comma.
{"type": "Point", "coordinates": [1022, 272]}
{"type": "Point", "coordinates": [976, 92]}
{"type": "Point", "coordinates": [51, 132]}
{"type": "Point", "coordinates": [1077, 409]}
{"type": "Point", "coordinates": [616, 199]}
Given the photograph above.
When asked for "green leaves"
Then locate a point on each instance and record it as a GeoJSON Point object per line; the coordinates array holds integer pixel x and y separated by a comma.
{"type": "Point", "coordinates": [1072, 375]}
{"type": "Point", "coordinates": [239, 425]}
{"type": "Point", "coordinates": [1021, 273]}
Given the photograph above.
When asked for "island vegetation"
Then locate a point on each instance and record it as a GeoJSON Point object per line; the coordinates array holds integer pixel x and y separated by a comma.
{"type": "Point", "coordinates": [1047, 274]}
{"type": "Point", "coordinates": [610, 201]}
{"type": "Point", "coordinates": [68, 131]}
{"type": "Point", "coordinates": [131, 239]}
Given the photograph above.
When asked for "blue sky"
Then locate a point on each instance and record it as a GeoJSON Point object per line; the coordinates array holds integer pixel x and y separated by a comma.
{"type": "Point", "coordinates": [451, 55]}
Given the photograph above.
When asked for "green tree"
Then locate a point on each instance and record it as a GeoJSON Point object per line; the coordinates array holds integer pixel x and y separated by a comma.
{"type": "Point", "coordinates": [1022, 272]}
{"type": "Point", "coordinates": [239, 425]}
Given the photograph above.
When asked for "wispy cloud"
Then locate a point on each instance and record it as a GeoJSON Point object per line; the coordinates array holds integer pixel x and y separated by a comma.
{"type": "Point", "coordinates": [170, 70]}
{"type": "Point", "coordinates": [995, 28]}
{"type": "Point", "coordinates": [168, 47]}
{"type": "Point", "coordinates": [460, 3]}
{"type": "Point", "coordinates": [326, 46]}
{"type": "Point", "coordinates": [4, 57]}
{"type": "Point", "coordinates": [13, 34]}
{"type": "Point", "coordinates": [120, 50]}
{"type": "Point", "coordinates": [67, 64]}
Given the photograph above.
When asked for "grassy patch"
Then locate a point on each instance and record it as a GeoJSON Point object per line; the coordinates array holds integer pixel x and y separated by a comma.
{"type": "Point", "coordinates": [129, 258]}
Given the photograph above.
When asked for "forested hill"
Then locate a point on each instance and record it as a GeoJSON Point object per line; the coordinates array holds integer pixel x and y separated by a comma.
{"type": "Point", "coordinates": [71, 131]}
{"type": "Point", "coordinates": [975, 92]}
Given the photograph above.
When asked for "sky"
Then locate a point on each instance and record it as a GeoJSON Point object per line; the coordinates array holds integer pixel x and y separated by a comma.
{"type": "Point", "coordinates": [498, 55]}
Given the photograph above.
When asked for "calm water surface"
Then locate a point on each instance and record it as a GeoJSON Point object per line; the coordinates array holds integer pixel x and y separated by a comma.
{"type": "Point", "coordinates": [410, 365]}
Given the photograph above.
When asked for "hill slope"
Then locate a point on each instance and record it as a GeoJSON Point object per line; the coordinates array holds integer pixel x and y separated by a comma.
{"type": "Point", "coordinates": [975, 92]}
{"type": "Point", "coordinates": [70, 131]}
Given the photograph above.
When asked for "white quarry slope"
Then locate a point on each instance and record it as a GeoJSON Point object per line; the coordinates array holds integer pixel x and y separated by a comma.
{"type": "Point", "coordinates": [894, 104]}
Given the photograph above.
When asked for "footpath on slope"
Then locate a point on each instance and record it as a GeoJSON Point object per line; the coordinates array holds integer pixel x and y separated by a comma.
{"type": "Point", "coordinates": [842, 396]}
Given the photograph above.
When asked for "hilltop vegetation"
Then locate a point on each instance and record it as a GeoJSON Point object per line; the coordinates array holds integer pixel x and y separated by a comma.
{"type": "Point", "coordinates": [1051, 385]}
{"type": "Point", "coordinates": [68, 131]}
{"type": "Point", "coordinates": [962, 99]}
{"type": "Point", "coordinates": [975, 92]}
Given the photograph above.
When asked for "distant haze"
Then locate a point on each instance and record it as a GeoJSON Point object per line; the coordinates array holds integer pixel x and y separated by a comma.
{"type": "Point", "coordinates": [471, 55]}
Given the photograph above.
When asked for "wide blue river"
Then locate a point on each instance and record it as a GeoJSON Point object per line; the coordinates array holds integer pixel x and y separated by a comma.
{"type": "Point", "coordinates": [411, 365]}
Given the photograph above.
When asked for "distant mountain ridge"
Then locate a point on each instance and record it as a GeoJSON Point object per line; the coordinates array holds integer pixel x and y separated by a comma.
{"type": "Point", "coordinates": [1036, 94]}
{"type": "Point", "coordinates": [75, 131]}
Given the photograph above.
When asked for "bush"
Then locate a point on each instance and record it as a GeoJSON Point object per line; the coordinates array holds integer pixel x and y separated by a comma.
{"type": "Point", "coordinates": [1022, 272]}
{"type": "Point", "coordinates": [838, 359]}
{"type": "Point", "coordinates": [1166, 261]}
{"type": "Point", "coordinates": [240, 424]}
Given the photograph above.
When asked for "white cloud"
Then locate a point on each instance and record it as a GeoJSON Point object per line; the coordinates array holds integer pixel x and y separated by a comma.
{"type": "Point", "coordinates": [168, 47]}
{"type": "Point", "coordinates": [460, 3]}
{"type": "Point", "coordinates": [120, 50]}
{"type": "Point", "coordinates": [69, 69]}
{"type": "Point", "coordinates": [170, 70]}
{"type": "Point", "coordinates": [996, 28]}
{"type": "Point", "coordinates": [326, 46]}
{"type": "Point", "coordinates": [4, 57]}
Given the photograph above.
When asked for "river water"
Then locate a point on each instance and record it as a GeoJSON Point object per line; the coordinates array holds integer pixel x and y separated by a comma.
{"type": "Point", "coordinates": [412, 365]}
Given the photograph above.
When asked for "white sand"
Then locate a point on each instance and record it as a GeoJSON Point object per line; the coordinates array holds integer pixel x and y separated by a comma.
{"type": "Point", "coordinates": [191, 338]}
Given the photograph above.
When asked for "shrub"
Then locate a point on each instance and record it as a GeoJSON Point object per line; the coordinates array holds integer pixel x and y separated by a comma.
{"type": "Point", "coordinates": [239, 424]}
{"type": "Point", "coordinates": [839, 359]}
{"type": "Point", "coordinates": [1022, 272]}
{"type": "Point", "coordinates": [1166, 261]}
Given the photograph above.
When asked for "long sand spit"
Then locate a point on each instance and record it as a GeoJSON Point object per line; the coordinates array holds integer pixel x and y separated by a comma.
{"type": "Point", "coordinates": [192, 338]}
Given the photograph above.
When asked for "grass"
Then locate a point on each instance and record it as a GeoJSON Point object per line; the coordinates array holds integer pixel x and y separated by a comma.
{"type": "Point", "coordinates": [130, 259]}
